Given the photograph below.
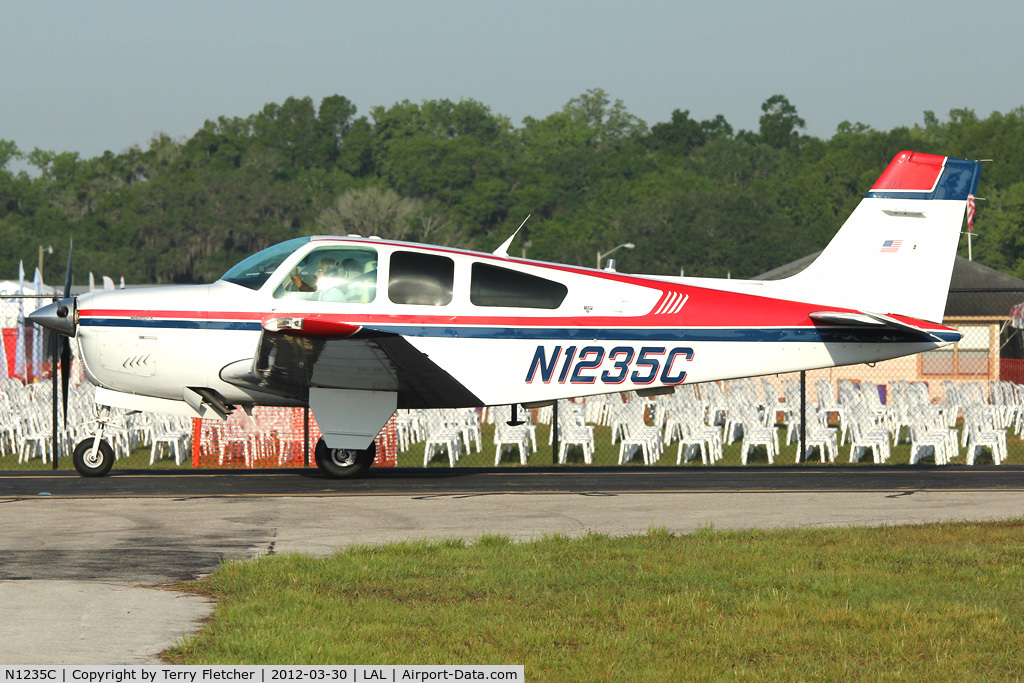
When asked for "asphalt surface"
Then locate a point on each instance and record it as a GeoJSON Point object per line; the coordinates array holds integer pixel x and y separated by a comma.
{"type": "Point", "coordinates": [83, 562]}
{"type": "Point", "coordinates": [446, 481]}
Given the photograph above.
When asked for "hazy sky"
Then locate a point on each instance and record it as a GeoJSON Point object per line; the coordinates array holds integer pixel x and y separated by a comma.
{"type": "Point", "coordinates": [90, 76]}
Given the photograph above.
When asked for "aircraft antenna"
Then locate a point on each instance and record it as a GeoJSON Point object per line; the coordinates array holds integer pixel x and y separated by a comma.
{"type": "Point", "coordinates": [503, 249]}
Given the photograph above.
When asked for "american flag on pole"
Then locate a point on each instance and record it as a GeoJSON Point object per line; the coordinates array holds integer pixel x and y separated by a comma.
{"type": "Point", "coordinates": [970, 213]}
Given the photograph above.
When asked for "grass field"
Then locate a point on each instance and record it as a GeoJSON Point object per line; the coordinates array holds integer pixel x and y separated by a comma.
{"type": "Point", "coordinates": [606, 453]}
{"type": "Point", "coordinates": [922, 603]}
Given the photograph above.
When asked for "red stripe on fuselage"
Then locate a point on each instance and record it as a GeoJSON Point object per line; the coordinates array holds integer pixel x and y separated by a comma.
{"type": "Point", "coordinates": [704, 308]}
{"type": "Point", "coordinates": [177, 315]}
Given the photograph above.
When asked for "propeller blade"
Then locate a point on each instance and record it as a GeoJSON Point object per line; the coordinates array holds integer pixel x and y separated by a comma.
{"type": "Point", "coordinates": [67, 276]}
{"type": "Point", "coordinates": [62, 349]}
{"type": "Point", "coordinates": [56, 435]}
{"type": "Point", "coordinates": [65, 373]}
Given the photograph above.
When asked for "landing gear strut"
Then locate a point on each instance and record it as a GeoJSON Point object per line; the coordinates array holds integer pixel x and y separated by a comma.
{"type": "Point", "coordinates": [343, 463]}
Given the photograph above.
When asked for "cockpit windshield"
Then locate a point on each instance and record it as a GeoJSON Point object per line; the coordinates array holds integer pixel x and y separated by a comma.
{"type": "Point", "coordinates": [255, 270]}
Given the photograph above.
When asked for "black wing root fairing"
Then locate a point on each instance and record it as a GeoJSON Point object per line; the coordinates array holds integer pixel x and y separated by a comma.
{"type": "Point", "coordinates": [288, 365]}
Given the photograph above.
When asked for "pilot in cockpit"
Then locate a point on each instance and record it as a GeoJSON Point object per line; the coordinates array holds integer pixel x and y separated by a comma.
{"type": "Point", "coordinates": [340, 287]}
{"type": "Point", "coordinates": [327, 269]}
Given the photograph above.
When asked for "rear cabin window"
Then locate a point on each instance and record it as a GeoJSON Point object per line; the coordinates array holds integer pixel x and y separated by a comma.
{"type": "Point", "coordinates": [494, 286]}
{"type": "Point", "coordinates": [421, 279]}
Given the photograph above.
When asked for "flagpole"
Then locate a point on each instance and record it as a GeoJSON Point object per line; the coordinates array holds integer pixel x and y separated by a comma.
{"type": "Point", "coordinates": [970, 225]}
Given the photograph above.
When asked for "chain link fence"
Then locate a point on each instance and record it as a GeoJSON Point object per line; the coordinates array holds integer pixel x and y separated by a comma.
{"type": "Point", "coordinates": [962, 404]}
{"type": "Point", "coordinates": [959, 405]}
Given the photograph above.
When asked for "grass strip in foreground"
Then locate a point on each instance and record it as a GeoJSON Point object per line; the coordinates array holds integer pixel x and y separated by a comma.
{"type": "Point", "coordinates": [932, 602]}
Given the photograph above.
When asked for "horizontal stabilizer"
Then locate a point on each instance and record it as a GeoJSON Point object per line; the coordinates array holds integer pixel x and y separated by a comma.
{"type": "Point", "coordinates": [843, 318]}
{"type": "Point", "coordinates": [874, 320]}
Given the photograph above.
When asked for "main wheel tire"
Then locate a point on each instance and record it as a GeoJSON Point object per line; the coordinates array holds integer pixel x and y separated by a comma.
{"type": "Point", "coordinates": [91, 464]}
{"type": "Point", "coordinates": [343, 463]}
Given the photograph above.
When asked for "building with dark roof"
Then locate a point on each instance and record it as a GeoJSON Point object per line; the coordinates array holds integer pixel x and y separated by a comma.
{"type": "Point", "coordinates": [974, 289]}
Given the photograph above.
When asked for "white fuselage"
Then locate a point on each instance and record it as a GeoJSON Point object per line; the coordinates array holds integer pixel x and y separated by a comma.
{"type": "Point", "coordinates": [609, 331]}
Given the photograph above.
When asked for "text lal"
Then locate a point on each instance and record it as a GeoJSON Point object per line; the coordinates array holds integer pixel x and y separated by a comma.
{"type": "Point", "coordinates": [590, 364]}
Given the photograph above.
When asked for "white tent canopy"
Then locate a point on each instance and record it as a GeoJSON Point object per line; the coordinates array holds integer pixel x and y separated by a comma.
{"type": "Point", "coordinates": [9, 307]}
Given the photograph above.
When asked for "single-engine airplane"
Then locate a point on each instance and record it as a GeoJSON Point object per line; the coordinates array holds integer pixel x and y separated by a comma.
{"type": "Point", "coordinates": [356, 327]}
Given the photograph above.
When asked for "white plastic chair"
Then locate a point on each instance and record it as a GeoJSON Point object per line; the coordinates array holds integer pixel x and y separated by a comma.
{"type": "Point", "coordinates": [517, 436]}
{"type": "Point", "coordinates": [647, 440]}
{"type": "Point", "coordinates": [576, 435]}
{"type": "Point", "coordinates": [865, 434]}
{"type": "Point", "coordinates": [686, 420]}
{"type": "Point", "coordinates": [981, 431]}
{"type": "Point", "coordinates": [175, 437]}
{"type": "Point", "coordinates": [448, 440]}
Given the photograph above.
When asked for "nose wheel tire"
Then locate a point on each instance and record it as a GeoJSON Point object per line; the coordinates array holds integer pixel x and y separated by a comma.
{"type": "Point", "coordinates": [343, 463]}
{"type": "Point", "coordinates": [90, 463]}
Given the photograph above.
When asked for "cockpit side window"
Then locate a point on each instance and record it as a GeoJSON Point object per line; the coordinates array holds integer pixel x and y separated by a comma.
{"type": "Point", "coordinates": [421, 279]}
{"type": "Point", "coordinates": [494, 286]}
{"type": "Point", "coordinates": [334, 274]}
{"type": "Point", "coordinates": [257, 269]}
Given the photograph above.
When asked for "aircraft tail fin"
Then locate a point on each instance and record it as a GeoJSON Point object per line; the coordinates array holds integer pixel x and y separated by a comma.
{"type": "Point", "coordinates": [895, 253]}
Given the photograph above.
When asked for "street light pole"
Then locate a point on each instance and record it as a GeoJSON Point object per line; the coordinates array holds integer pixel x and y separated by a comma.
{"type": "Point", "coordinates": [600, 256]}
{"type": "Point", "coordinates": [42, 250]}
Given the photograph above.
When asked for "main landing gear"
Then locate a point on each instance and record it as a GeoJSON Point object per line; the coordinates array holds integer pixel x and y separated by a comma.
{"type": "Point", "coordinates": [343, 463]}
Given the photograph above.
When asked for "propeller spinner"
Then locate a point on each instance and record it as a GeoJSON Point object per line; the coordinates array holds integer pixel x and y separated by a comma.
{"type": "Point", "coordinates": [60, 316]}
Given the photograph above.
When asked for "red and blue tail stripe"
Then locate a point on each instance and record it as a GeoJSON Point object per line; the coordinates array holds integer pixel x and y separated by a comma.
{"type": "Point", "coordinates": [914, 175]}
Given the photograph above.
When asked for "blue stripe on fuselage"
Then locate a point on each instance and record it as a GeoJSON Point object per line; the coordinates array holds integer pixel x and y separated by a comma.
{"type": "Point", "coordinates": [171, 324]}
{"type": "Point", "coordinates": [848, 335]}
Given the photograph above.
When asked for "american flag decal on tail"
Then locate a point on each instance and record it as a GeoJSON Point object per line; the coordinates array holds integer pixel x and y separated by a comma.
{"type": "Point", "coordinates": [891, 246]}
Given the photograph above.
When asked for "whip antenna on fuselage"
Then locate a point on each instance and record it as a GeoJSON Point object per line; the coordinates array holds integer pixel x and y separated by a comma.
{"type": "Point", "coordinates": [503, 249]}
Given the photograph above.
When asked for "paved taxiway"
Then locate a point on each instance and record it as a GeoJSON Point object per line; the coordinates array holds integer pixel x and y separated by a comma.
{"type": "Point", "coordinates": [76, 555]}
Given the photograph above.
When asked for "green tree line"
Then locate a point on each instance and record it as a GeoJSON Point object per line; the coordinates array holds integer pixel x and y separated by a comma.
{"type": "Point", "coordinates": [695, 196]}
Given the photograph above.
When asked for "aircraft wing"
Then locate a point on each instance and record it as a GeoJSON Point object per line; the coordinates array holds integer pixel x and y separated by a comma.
{"type": "Point", "coordinates": [289, 362]}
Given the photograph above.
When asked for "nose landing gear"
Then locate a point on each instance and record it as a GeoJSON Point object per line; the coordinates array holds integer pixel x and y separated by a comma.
{"type": "Point", "coordinates": [93, 462]}
{"type": "Point", "coordinates": [93, 456]}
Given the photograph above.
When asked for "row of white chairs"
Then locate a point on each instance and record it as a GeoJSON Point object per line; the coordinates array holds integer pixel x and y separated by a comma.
{"type": "Point", "coordinates": [26, 425]}
{"type": "Point", "coordinates": [971, 419]}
